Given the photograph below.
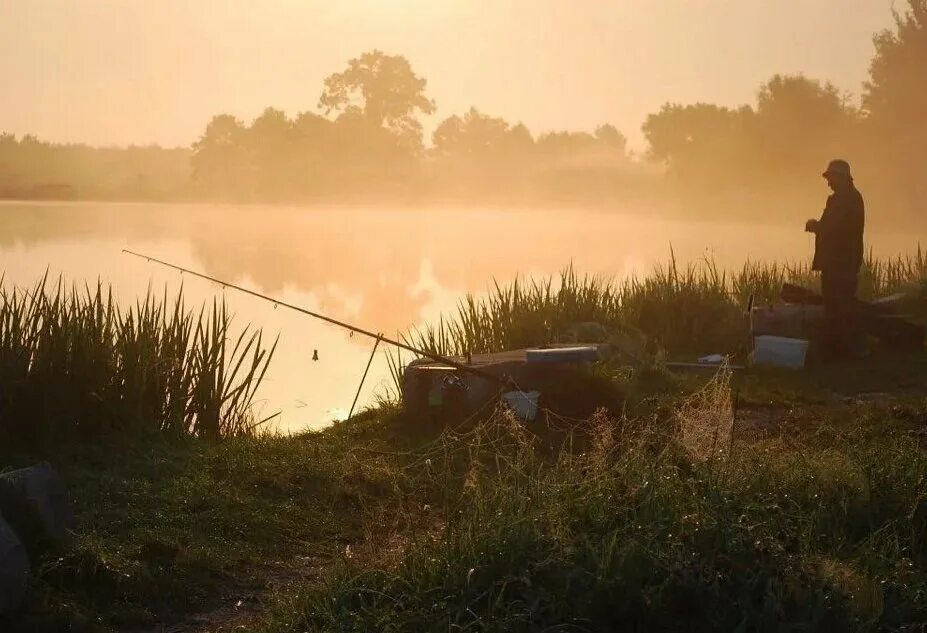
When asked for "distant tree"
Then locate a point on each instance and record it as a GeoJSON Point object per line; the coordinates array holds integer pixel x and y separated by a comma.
{"type": "Point", "coordinates": [609, 136]}
{"type": "Point", "coordinates": [479, 153]}
{"type": "Point", "coordinates": [315, 145]}
{"type": "Point", "coordinates": [272, 129]}
{"type": "Point", "coordinates": [800, 123]}
{"type": "Point", "coordinates": [896, 93]}
{"type": "Point", "coordinates": [8, 147]}
{"type": "Point", "coordinates": [269, 143]}
{"type": "Point", "coordinates": [32, 168]}
{"type": "Point", "coordinates": [220, 162]}
{"type": "Point", "coordinates": [474, 134]}
{"type": "Point", "coordinates": [797, 124]}
{"type": "Point", "coordinates": [565, 142]}
{"type": "Point", "coordinates": [368, 156]}
{"type": "Point", "coordinates": [310, 126]}
{"type": "Point", "coordinates": [697, 141]}
{"type": "Point", "coordinates": [796, 97]}
{"type": "Point", "coordinates": [895, 102]}
{"type": "Point", "coordinates": [384, 89]}
{"type": "Point", "coordinates": [519, 139]}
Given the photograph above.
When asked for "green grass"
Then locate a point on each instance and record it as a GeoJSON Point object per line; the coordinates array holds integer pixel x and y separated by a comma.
{"type": "Point", "coordinates": [169, 527]}
{"type": "Point", "coordinates": [820, 526]}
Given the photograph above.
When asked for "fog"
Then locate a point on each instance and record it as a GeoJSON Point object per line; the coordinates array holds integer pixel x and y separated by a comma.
{"type": "Point", "coordinates": [373, 132]}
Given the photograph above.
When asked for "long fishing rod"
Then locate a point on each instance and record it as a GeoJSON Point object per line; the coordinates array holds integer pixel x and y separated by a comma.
{"type": "Point", "coordinates": [437, 357]}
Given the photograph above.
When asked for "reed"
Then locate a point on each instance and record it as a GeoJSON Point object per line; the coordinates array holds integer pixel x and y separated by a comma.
{"type": "Point", "coordinates": [684, 310]}
{"type": "Point", "coordinates": [74, 364]}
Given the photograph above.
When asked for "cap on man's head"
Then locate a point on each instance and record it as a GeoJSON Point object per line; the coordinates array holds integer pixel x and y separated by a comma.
{"type": "Point", "coordinates": [837, 167]}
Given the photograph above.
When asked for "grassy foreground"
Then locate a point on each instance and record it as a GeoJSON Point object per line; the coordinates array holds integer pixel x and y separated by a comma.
{"type": "Point", "coordinates": [807, 510]}
{"type": "Point", "coordinates": [765, 501]}
{"type": "Point", "coordinates": [819, 527]}
{"type": "Point", "coordinates": [170, 529]}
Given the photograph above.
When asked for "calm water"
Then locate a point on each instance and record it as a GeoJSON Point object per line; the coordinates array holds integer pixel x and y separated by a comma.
{"type": "Point", "coordinates": [384, 270]}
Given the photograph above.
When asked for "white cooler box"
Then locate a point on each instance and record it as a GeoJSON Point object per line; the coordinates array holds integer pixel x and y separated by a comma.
{"type": "Point", "coordinates": [779, 351]}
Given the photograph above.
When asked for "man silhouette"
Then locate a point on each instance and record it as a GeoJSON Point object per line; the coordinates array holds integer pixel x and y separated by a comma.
{"type": "Point", "coordinates": [838, 255]}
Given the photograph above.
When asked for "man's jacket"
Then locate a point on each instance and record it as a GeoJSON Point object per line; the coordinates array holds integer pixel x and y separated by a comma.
{"type": "Point", "coordinates": [838, 242]}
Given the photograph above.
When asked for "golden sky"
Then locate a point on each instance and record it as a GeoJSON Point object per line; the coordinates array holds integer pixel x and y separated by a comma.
{"type": "Point", "coordinates": [142, 71]}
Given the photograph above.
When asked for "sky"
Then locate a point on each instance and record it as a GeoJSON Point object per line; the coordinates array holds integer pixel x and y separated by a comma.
{"type": "Point", "coordinates": [117, 72]}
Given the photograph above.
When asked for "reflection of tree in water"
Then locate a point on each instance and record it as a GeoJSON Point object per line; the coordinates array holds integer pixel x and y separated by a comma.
{"type": "Point", "coordinates": [380, 256]}
{"type": "Point", "coordinates": [326, 258]}
{"type": "Point", "coordinates": [319, 252]}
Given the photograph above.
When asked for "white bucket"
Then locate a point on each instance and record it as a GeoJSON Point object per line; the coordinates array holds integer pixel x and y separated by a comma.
{"type": "Point", "coordinates": [524, 404]}
{"type": "Point", "coordinates": [779, 351]}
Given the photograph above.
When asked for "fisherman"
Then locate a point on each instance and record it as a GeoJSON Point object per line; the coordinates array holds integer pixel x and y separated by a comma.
{"type": "Point", "coordinates": [838, 255]}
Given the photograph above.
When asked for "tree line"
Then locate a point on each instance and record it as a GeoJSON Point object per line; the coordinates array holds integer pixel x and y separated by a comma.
{"type": "Point", "coordinates": [365, 137]}
{"type": "Point", "coordinates": [34, 169]}
{"type": "Point", "coordinates": [368, 138]}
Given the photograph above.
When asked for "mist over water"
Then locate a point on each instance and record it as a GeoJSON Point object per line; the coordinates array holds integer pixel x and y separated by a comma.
{"type": "Point", "coordinates": [383, 269]}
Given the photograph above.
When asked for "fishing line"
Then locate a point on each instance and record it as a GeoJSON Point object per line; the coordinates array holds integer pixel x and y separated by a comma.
{"type": "Point", "coordinates": [436, 357]}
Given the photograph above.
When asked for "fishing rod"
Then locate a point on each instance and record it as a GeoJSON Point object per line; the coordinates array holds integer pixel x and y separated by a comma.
{"type": "Point", "coordinates": [379, 337]}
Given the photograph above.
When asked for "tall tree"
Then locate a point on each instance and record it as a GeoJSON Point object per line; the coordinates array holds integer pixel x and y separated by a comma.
{"type": "Point", "coordinates": [384, 89]}
{"type": "Point", "coordinates": [896, 93]}
{"type": "Point", "coordinates": [895, 101]}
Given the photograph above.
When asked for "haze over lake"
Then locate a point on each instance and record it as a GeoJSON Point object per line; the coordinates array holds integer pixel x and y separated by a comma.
{"type": "Point", "coordinates": [383, 269]}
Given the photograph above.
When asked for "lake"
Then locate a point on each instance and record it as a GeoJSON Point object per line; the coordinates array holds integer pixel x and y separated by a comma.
{"type": "Point", "coordinates": [384, 270]}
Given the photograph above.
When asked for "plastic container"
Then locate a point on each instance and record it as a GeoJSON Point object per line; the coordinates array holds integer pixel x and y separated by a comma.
{"type": "Point", "coordinates": [524, 404]}
{"type": "Point", "coordinates": [778, 351]}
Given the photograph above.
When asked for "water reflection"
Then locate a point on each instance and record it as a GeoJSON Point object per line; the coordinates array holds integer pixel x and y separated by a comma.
{"type": "Point", "coordinates": [382, 269]}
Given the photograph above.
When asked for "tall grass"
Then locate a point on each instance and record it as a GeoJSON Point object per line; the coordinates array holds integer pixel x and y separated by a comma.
{"type": "Point", "coordinates": [74, 364]}
{"type": "Point", "coordinates": [683, 309]}
{"type": "Point", "coordinates": [642, 529]}
{"type": "Point", "coordinates": [878, 277]}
